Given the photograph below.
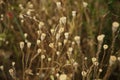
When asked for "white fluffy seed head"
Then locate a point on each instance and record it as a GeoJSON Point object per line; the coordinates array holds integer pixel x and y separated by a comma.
{"type": "Point", "coordinates": [115, 26]}
{"type": "Point", "coordinates": [70, 49]}
{"type": "Point", "coordinates": [105, 46]}
{"type": "Point", "coordinates": [49, 59]}
{"type": "Point", "coordinates": [58, 53]}
{"type": "Point", "coordinates": [52, 30]}
{"type": "Point", "coordinates": [100, 38]}
{"type": "Point", "coordinates": [118, 58]}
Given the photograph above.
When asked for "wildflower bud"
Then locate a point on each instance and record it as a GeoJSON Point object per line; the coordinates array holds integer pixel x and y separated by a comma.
{"type": "Point", "coordinates": [100, 37]}
{"type": "Point", "coordinates": [39, 50]}
{"type": "Point", "coordinates": [112, 60]}
{"type": "Point", "coordinates": [38, 42]}
{"type": "Point", "coordinates": [25, 35]}
{"type": "Point", "coordinates": [74, 13]}
{"type": "Point", "coordinates": [12, 73]}
{"type": "Point", "coordinates": [58, 5]}
{"type": "Point", "coordinates": [115, 26]}
{"type": "Point", "coordinates": [75, 64]}
{"type": "Point", "coordinates": [84, 73]}
{"type": "Point", "coordinates": [41, 24]}
{"type": "Point", "coordinates": [21, 16]}
{"type": "Point", "coordinates": [105, 46]}
{"type": "Point", "coordinates": [77, 39]}
{"type": "Point", "coordinates": [100, 70]}
{"type": "Point", "coordinates": [43, 35]}
{"type": "Point", "coordinates": [42, 56]}
{"type": "Point", "coordinates": [13, 63]}
{"type": "Point", "coordinates": [28, 44]}
{"type": "Point", "coordinates": [66, 34]}
{"type": "Point", "coordinates": [63, 77]}
{"type": "Point", "coordinates": [2, 67]}
{"type": "Point", "coordinates": [63, 20]}
{"type": "Point", "coordinates": [85, 4]}
{"type": "Point", "coordinates": [22, 45]}
{"type": "Point", "coordinates": [49, 59]}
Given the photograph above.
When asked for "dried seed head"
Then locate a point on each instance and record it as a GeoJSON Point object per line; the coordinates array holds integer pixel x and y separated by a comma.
{"type": "Point", "coordinates": [74, 13]}
{"type": "Point", "coordinates": [65, 41]}
{"type": "Point", "coordinates": [52, 31]}
{"type": "Point", "coordinates": [77, 39]}
{"type": "Point", "coordinates": [100, 37]}
{"type": "Point", "coordinates": [25, 35]}
{"type": "Point", "coordinates": [49, 59]}
{"type": "Point", "coordinates": [66, 34]}
{"type": "Point", "coordinates": [59, 44]}
{"type": "Point", "coordinates": [96, 63]}
{"type": "Point", "coordinates": [13, 63]}
{"type": "Point", "coordinates": [112, 60]}
{"type": "Point", "coordinates": [58, 4]}
{"type": "Point", "coordinates": [70, 49]}
{"type": "Point", "coordinates": [118, 58]}
{"type": "Point", "coordinates": [58, 53]}
{"type": "Point", "coordinates": [63, 20]}
{"type": "Point", "coordinates": [61, 30]}
{"type": "Point", "coordinates": [84, 73]}
{"type": "Point", "coordinates": [100, 70]}
{"type": "Point", "coordinates": [57, 36]}
{"type": "Point", "coordinates": [39, 50]}
{"type": "Point", "coordinates": [63, 77]}
{"type": "Point", "coordinates": [38, 42]}
{"type": "Point", "coordinates": [28, 44]}
{"type": "Point", "coordinates": [94, 59]}
{"type": "Point", "coordinates": [42, 56]}
{"type": "Point", "coordinates": [115, 26]}
{"type": "Point", "coordinates": [85, 4]}
{"type": "Point", "coordinates": [57, 74]}
{"type": "Point", "coordinates": [2, 67]}
{"type": "Point", "coordinates": [40, 25]}
{"type": "Point", "coordinates": [105, 46]}
{"type": "Point", "coordinates": [85, 58]}
{"type": "Point", "coordinates": [22, 45]}
{"type": "Point", "coordinates": [21, 6]}
{"type": "Point", "coordinates": [51, 45]}
{"type": "Point", "coordinates": [43, 35]}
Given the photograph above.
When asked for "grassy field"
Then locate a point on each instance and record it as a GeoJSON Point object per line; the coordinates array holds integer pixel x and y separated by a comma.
{"type": "Point", "coordinates": [59, 40]}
